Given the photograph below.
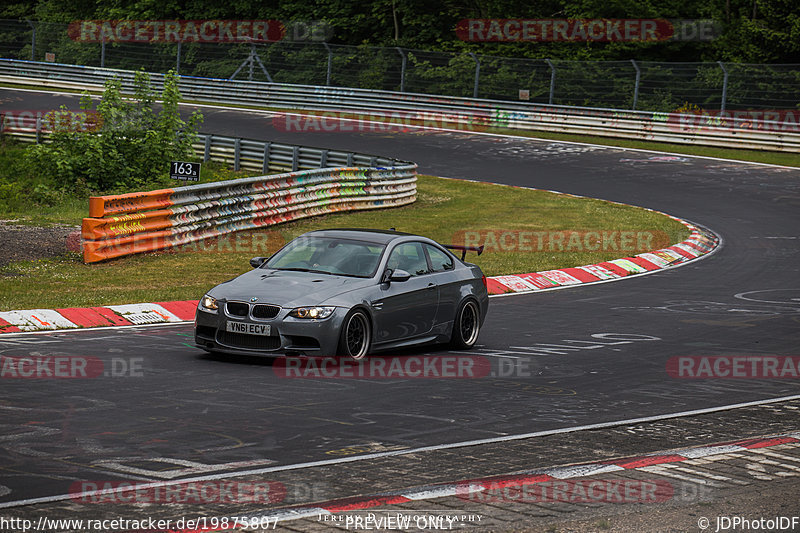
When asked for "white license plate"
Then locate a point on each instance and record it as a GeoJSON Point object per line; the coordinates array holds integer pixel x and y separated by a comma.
{"type": "Point", "coordinates": [250, 329]}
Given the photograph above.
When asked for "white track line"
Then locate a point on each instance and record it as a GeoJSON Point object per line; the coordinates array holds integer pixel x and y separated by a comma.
{"type": "Point", "coordinates": [378, 455]}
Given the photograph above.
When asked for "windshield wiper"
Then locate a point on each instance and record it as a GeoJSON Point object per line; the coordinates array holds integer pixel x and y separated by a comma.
{"type": "Point", "coordinates": [298, 269]}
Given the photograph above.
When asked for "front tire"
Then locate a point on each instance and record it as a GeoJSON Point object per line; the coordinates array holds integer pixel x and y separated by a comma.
{"type": "Point", "coordinates": [356, 335]}
{"type": "Point", "coordinates": [466, 326]}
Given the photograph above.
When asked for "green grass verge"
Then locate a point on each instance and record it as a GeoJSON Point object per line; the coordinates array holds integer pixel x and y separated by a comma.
{"type": "Point", "coordinates": [757, 156]}
{"type": "Point", "coordinates": [20, 202]}
{"type": "Point", "coordinates": [444, 210]}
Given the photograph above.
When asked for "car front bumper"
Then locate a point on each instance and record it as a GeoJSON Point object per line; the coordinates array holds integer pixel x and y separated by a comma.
{"type": "Point", "coordinates": [288, 335]}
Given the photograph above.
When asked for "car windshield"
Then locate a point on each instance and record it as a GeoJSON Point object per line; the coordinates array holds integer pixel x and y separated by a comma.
{"type": "Point", "coordinates": [329, 255]}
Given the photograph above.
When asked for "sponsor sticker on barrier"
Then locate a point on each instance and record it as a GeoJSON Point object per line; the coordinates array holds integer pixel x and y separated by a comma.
{"type": "Point", "coordinates": [515, 283]}
{"type": "Point", "coordinates": [599, 271]}
{"type": "Point", "coordinates": [630, 266]}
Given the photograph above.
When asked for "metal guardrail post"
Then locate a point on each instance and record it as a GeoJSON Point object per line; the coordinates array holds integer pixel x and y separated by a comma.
{"type": "Point", "coordinates": [252, 62]}
{"type": "Point", "coordinates": [373, 162]}
{"type": "Point", "coordinates": [636, 84]}
{"type": "Point", "coordinates": [724, 85]}
{"type": "Point", "coordinates": [207, 149]}
{"type": "Point", "coordinates": [237, 148]}
{"type": "Point", "coordinates": [552, 80]}
{"type": "Point", "coordinates": [38, 130]}
{"type": "Point", "coordinates": [265, 161]}
{"type": "Point", "coordinates": [330, 64]}
{"type": "Point", "coordinates": [402, 69]}
{"type": "Point", "coordinates": [323, 159]}
{"type": "Point", "coordinates": [295, 159]}
{"type": "Point", "coordinates": [349, 159]}
{"type": "Point", "coordinates": [477, 74]}
{"type": "Point", "coordinates": [102, 49]}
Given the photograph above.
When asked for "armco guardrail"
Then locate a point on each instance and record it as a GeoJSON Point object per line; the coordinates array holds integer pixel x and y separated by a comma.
{"type": "Point", "coordinates": [465, 113]}
{"type": "Point", "coordinates": [147, 221]}
{"type": "Point", "coordinates": [313, 181]}
{"type": "Point", "coordinates": [266, 157]}
{"type": "Point", "coordinates": [270, 157]}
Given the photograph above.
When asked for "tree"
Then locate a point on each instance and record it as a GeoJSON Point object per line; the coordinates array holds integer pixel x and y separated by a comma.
{"type": "Point", "coordinates": [124, 145]}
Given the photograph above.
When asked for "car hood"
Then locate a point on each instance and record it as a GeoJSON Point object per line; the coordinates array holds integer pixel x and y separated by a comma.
{"type": "Point", "coordinates": [288, 288]}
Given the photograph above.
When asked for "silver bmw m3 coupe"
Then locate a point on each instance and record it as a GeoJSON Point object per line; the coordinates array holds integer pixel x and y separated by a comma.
{"type": "Point", "coordinates": [346, 292]}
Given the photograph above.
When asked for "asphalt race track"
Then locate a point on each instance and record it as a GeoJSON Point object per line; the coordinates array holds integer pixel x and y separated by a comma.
{"type": "Point", "coordinates": [558, 359]}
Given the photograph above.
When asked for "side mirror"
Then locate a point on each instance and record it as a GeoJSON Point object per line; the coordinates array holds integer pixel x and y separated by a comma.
{"type": "Point", "coordinates": [399, 275]}
{"type": "Point", "coordinates": [257, 261]}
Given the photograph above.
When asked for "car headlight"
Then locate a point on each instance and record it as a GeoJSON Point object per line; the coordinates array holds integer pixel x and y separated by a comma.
{"type": "Point", "coordinates": [312, 312]}
{"type": "Point", "coordinates": [209, 303]}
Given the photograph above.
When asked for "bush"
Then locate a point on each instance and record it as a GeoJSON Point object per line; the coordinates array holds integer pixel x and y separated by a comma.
{"type": "Point", "coordinates": [125, 148]}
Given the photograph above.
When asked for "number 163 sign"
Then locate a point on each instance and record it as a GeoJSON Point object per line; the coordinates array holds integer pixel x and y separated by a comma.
{"type": "Point", "coordinates": [181, 170]}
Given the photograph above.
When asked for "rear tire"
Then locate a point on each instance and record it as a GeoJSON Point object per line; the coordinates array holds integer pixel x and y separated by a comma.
{"type": "Point", "coordinates": [356, 335]}
{"type": "Point", "coordinates": [466, 326]}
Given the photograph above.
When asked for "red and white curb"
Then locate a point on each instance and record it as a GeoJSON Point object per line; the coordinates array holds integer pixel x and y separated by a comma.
{"type": "Point", "coordinates": [700, 243]}
{"type": "Point", "coordinates": [466, 487]}
{"type": "Point", "coordinates": [91, 317]}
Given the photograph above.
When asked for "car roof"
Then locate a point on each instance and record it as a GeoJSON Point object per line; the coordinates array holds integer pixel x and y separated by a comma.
{"type": "Point", "coordinates": [371, 235]}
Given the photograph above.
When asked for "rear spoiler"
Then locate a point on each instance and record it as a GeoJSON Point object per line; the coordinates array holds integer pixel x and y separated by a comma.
{"type": "Point", "coordinates": [464, 249]}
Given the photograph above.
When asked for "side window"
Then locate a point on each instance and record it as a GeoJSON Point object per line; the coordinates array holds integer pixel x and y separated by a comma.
{"type": "Point", "coordinates": [409, 257]}
{"type": "Point", "coordinates": [440, 261]}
